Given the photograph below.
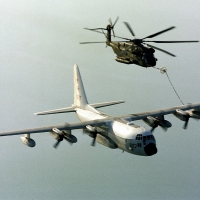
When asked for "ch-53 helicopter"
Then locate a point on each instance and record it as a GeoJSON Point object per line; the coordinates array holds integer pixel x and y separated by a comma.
{"type": "Point", "coordinates": [133, 51]}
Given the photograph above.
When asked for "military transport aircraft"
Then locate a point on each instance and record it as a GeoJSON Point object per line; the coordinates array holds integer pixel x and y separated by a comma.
{"type": "Point", "coordinates": [113, 132]}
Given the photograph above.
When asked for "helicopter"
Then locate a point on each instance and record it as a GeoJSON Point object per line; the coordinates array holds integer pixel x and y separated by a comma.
{"type": "Point", "coordinates": [133, 51]}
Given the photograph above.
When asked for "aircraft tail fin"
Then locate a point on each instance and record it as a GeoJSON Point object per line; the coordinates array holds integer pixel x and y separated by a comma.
{"type": "Point", "coordinates": [80, 99]}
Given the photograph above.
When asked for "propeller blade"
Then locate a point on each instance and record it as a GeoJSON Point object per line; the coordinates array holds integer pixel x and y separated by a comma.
{"type": "Point", "coordinates": [104, 33]}
{"type": "Point", "coordinates": [153, 128]}
{"type": "Point", "coordinates": [56, 144]}
{"type": "Point", "coordinates": [160, 50]}
{"type": "Point", "coordinates": [93, 29]}
{"type": "Point", "coordinates": [129, 28]}
{"type": "Point", "coordinates": [113, 32]}
{"type": "Point", "coordinates": [94, 140]}
{"type": "Point", "coordinates": [115, 21]}
{"type": "Point", "coordinates": [163, 128]}
{"type": "Point", "coordinates": [173, 41]}
{"type": "Point", "coordinates": [160, 32]}
{"type": "Point", "coordinates": [90, 42]}
{"type": "Point", "coordinates": [186, 123]}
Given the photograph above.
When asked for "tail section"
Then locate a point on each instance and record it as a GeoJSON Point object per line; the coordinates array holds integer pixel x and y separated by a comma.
{"type": "Point", "coordinates": [80, 99]}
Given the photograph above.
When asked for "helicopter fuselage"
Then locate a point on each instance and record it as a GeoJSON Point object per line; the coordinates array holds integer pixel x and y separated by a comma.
{"type": "Point", "coordinates": [129, 53]}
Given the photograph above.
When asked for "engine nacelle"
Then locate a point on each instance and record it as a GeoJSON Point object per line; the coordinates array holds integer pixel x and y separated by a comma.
{"type": "Point", "coordinates": [89, 133]}
{"type": "Point", "coordinates": [194, 113]}
{"type": "Point", "coordinates": [105, 141]}
{"type": "Point", "coordinates": [28, 141]}
{"type": "Point", "coordinates": [91, 128]}
{"type": "Point", "coordinates": [152, 121]}
{"type": "Point", "coordinates": [56, 134]}
{"type": "Point", "coordinates": [70, 138]}
{"type": "Point", "coordinates": [182, 115]}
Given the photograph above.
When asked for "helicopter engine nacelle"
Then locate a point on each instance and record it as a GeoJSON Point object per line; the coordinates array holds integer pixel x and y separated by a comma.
{"type": "Point", "coordinates": [28, 141]}
{"type": "Point", "coordinates": [182, 115]}
{"type": "Point", "coordinates": [152, 122]}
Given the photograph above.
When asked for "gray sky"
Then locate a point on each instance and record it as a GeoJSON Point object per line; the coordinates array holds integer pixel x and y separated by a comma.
{"type": "Point", "coordinates": [39, 44]}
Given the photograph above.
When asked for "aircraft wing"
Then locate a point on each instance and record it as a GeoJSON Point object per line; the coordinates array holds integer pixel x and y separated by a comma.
{"type": "Point", "coordinates": [78, 125]}
{"type": "Point", "coordinates": [105, 121]}
{"type": "Point", "coordinates": [160, 112]}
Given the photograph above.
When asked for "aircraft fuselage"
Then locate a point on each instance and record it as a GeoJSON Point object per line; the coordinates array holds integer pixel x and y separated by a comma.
{"type": "Point", "coordinates": [126, 136]}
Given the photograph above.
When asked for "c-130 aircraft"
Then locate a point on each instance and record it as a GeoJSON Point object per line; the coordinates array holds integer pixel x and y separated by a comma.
{"type": "Point", "coordinates": [113, 132]}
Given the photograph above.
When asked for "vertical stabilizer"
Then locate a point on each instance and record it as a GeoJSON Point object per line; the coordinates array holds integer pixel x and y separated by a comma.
{"type": "Point", "coordinates": [80, 98]}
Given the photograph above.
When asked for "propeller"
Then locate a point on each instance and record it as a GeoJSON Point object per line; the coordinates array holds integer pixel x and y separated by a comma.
{"type": "Point", "coordinates": [162, 124]}
{"type": "Point", "coordinates": [60, 138]}
{"type": "Point", "coordinates": [156, 125]}
{"type": "Point", "coordinates": [186, 122]}
{"type": "Point", "coordinates": [110, 26]}
{"type": "Point", "coordinates": [94, 140]}
{"type": "Point", "coordinates": [92, 134]}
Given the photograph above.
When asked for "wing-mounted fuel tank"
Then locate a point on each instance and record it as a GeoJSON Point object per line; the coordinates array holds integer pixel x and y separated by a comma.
{"type": "Point", "coordinates": [28, 141]}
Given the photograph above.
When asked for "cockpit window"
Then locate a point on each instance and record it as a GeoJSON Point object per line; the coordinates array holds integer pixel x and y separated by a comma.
{"type": "Point", "coordinates": [144, 138]}
{"type": "Point", "coordinates": [139, 137]}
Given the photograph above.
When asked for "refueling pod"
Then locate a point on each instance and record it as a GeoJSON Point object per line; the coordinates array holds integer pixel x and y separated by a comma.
{"type": "Point", "coordinates": [28, 141]}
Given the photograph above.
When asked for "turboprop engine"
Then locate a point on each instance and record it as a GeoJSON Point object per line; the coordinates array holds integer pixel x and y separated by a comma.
{"type": "Point", "coordinates": [60, 135]}
{"type": "Point", "coordinates": [154, 122]}
{"type": "Point", "coordinates": [102, 139]}
{"type": "Point", "coordinates": [185, 115]}
{"type": "Point", "coordinates": [28, 141]}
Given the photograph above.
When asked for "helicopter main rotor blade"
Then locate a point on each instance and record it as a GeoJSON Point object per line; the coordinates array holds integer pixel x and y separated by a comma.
{"type": "Point", "coordinates": [129, 28]}
{"type": "Point", "coordinates": [90, 42]}
{"type": "Point", "coordinates": [173, 41]}
{"type": "Point", "coordinates": [160, 32]}
{"type": "Point", "coordinates": [161, 50]}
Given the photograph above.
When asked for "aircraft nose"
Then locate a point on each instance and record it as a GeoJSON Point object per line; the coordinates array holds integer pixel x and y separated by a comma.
{"type": "Point", "coordinates": [150, 149]}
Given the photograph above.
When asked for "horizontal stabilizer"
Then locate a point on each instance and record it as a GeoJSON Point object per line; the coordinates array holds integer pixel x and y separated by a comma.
{"type": "Point", "coordinates": [60, 110]}
{"type": "Point", "coordinates": [99, 105]}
